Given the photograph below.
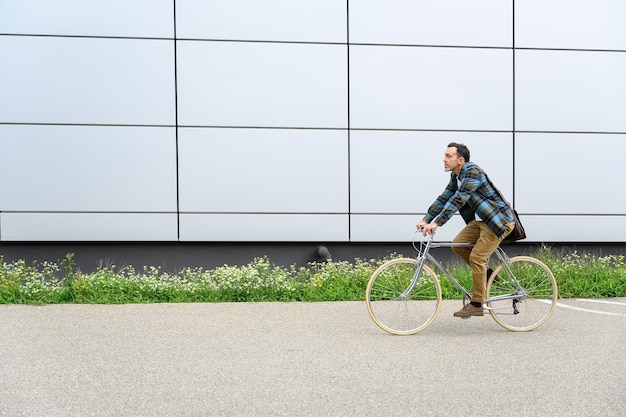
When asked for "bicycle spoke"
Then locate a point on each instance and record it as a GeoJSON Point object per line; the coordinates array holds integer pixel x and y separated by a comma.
{"type": "Point", "coordinates": [532, 291]}
{"type": "Point", "coordinates": [393, 307]}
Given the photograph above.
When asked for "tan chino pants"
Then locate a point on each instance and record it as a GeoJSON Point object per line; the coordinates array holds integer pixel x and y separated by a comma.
{"type": "Point", "coordinates": [485, 243]}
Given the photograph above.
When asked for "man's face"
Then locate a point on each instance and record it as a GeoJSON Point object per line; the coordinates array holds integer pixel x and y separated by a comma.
{"type": "Point", "coordinates": [451, 161]}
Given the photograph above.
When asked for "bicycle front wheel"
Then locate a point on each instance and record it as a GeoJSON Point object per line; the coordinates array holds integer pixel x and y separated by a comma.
{"type": "Point", "coordinates": [521, 295]}
{"type": "Point", "coordinates": [396, 309]}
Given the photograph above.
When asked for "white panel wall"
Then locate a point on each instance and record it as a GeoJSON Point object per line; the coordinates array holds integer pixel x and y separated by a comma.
{"type": "Point", "coordinates": [87, 121]}
{"type": "Point", "coordinates": [87, 168]}
{"type": "Point", "coordinates": [430, 88]}
{"type": "Point", "coordinates": [425, 22]}
{"type": "Point", "coordinates": [310, 120]}
{"type": "Point", "coordinates": [395, 177]}
{"type": "Point", "coordinates": [428, 91]}
{"type": "Point", "coordinates": [570, 91]}
{"type": "Point", "coordinates": [86, 81]}
{"type": "Point", "coordinates": [113, 227]}
{"type": "Point", "coordinates": [569, 101]}
{"type": "Point", "coordinates": [570, 173]}
{"type": "Point", "coordinates": [130, 18]}
{"type": "Point", "coordinates": [277, 184]}
{"type": "Point", "coordinates": [570, 24]}
{"type": "Point", "coordinates": [269, 20]}
{"type": "Point", "coordinates": [264, 227]}
{"type": "Point", "coordinates": [262, 84]}
{"type": "Point", "coordinates": [100, 174]}
{"type": "Point", "coordinates": [402, 172]}
{"type": "Point", "coordinates": [544, 228]}
{"type": "Point", "coordinates": [267, 170]}
{"type": "Point", "coordinates": [397, 228]}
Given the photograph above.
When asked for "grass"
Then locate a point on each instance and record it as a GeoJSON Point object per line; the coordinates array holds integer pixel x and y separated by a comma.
{"type": "Point", "coordinates": [578, 275]}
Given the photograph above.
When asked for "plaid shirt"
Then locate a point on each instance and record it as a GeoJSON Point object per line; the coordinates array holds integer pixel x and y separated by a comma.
{"type": "Point", "coordinates": [474, 197]}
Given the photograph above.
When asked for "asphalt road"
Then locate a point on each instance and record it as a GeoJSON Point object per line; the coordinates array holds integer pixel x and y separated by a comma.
{"type": "Point", "coordinates": [305, 359]}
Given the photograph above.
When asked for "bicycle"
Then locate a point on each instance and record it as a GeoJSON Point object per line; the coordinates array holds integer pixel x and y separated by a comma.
{"type": "Point", "coordinates": [403, 296]}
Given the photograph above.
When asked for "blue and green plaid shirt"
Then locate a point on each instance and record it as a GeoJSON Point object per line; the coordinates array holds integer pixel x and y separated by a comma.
{"type": "Point", "coordinates": [473, 197]}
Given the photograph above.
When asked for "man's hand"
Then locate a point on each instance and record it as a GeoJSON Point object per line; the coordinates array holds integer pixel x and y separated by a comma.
{"type": "Point", "coordinates": [427, 228]}
{"type": "Point", "coordinates": [420, 225]}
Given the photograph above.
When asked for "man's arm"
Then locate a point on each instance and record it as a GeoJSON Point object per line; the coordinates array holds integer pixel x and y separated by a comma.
{"type": "Point", "coordinates": [427, 225]}
{"type": "Point", "coordinates": [438, 205]}
{"type": "Point", "coordinates": [470, 181]}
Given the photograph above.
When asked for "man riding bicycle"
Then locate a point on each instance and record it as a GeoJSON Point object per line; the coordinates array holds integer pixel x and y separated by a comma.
{"type": "Point", "coordinates": [489, 219]}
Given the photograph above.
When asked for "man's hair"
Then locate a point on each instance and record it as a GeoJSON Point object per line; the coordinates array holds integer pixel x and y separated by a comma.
{"type": "Point", "coordinates": [461, 150]}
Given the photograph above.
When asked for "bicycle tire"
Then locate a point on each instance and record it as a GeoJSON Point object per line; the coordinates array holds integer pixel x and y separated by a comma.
{"type": "Point", "coordinates": [537, 294]}
{"type": "Point", "coordinates": [401, 314]}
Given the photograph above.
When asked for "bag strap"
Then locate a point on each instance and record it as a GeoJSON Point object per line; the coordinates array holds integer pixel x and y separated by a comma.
{"type": "Point", "coordinates": [498, 191]}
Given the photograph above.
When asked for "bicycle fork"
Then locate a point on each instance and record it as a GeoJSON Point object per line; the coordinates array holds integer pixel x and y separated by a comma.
{"type": "Point", "coordinates": [416, 277]}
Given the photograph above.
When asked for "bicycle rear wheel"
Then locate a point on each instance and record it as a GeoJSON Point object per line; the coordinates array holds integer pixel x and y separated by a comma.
{"type": "Point", "coordinates": [392, 308]}
{"type": "Point", "coordinates": [523, 296]}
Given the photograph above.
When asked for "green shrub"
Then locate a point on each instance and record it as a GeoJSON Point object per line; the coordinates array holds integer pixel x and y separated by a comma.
{"type": "Point", "coordinates": [578, 275]}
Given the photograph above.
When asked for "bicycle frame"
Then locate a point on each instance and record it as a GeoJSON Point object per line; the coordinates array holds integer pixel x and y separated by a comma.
{"type": "Point", "coordinates": [423, 255]}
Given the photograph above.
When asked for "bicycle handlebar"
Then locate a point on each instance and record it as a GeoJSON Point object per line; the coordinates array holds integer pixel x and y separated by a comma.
{"type": "Point", "coordinates": [420, 230]}
{"type": "Point", "coordinates": [431, 243]}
